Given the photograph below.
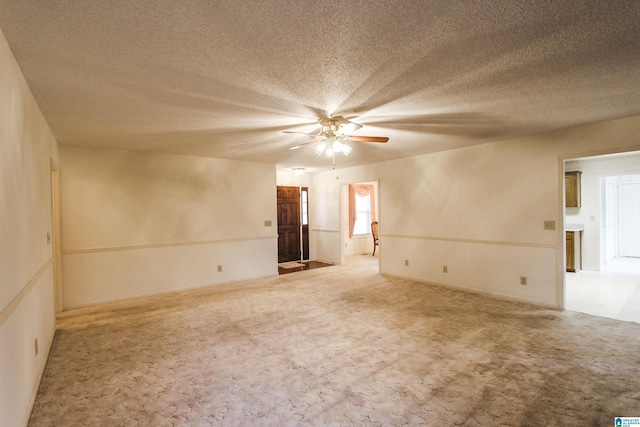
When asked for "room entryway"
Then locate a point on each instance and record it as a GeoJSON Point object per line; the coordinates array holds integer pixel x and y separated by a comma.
{"type": "Point", "coordinates": [293, 223]}
{"type": "Point", "coordinates": [607, 282]}
{"type": "Point", "coordinates": [359, 208]}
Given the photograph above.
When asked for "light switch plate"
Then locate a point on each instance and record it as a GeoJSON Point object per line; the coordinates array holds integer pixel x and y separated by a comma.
{"type": "Point", "coordinates": [267, 223]}
{"type": "Point", "coordinates": [549, 225]}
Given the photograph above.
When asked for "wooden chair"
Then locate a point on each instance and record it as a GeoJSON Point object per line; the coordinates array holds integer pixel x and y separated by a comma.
{"type": "Point", "coordinates": [374, 233]}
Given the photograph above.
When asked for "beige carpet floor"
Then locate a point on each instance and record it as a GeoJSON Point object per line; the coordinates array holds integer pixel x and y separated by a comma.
{"type": "Point", "coordinates": [340, 345]}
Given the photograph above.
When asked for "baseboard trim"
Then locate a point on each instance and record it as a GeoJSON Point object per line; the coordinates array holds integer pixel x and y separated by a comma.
{"type": "Point", "coordinates": [158, 293]}
{"type": "Point", "coordinates": [34, 392]}
{"type": "Point", "coordinates": [495, 295]}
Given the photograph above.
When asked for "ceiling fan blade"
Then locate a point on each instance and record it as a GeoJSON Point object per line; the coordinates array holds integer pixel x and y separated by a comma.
{"type": "Point", "coordinates": [361, 138]}
{"type": "Point", "coordinates": [301, 133]}
{"type": "Point", "coordinates": [295, 147]}
{"type": "Point", "coordinates": [350, 127]}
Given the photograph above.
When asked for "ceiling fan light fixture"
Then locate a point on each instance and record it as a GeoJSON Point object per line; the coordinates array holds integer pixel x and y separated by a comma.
{"type": "Point", "coordinates": [320, 148]}
{"type": "Point", "coordinates": [334, 135]}
{"type": "Point", "coordinates": [329, 151]}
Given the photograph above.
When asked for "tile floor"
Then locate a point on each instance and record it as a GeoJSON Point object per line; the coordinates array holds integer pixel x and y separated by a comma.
{"type": "Point", "coordinates": [307, 265]}
{"type": "Point", "coordinates": [613, 292]}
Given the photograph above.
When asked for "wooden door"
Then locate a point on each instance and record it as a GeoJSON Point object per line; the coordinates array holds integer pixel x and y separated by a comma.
{"type": "Point", "coordinates": [571, 256]}
{"type": "Point", "coordinates": [288, 223]}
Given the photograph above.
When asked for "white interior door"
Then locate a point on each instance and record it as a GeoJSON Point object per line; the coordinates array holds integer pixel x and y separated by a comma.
{"type": "Point", "coordinates": [629, 219]}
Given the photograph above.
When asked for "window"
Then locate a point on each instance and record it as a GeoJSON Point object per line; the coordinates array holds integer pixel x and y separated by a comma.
{"type": "Point", "coordinates": [305, 207]}
{"type": "Point", "coordinates": [363, 215]}
{"type": "Point", "coordinates": [362, 202]}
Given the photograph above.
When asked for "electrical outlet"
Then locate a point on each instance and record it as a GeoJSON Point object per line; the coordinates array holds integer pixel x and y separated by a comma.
{"type": "Point", "coordinates": [219, 268]}
{"type": "Point", "coordinates": [445, 269]}
{"type": "Point", "coordinates": [406, 263]}
{"type": "Point", "coordinates": [523, 280]}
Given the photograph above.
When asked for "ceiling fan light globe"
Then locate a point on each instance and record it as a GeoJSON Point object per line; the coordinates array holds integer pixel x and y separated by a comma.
{"type": "Point", "coordinates": [346, 149]}
{"type": "Point", "coordinates": [337, 146]}
{"type": "Point", "coordinates": [320, 148]}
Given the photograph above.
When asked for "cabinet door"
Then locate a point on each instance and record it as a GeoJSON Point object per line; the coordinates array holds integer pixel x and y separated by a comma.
{"type": "Point", "coordinates": [571, 255]}
{"type": "Point", "coordinates": [572, 189]}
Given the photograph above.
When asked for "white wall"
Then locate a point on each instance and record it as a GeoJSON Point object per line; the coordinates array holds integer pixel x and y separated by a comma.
{"type": "Point", "coordinates": [289, 179]}
{"type": "Point", "coordinates": [26, 273]}
{"type": "Point", "coordinates": [589, 214]}
{"type": "Point", "coordinates": [479, 210]}
{"type": "Point", "coordinates": [324, 216]}
{"type": "Point", "coordinates": [138, 223]}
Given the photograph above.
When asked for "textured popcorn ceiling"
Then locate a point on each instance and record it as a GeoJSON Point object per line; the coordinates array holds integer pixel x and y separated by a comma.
{"type": "Point", "coordinates": [225, 78]}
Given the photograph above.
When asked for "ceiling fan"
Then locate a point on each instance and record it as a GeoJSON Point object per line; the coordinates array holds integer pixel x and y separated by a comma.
{"type": "Point", "coordinates": [334, 136]}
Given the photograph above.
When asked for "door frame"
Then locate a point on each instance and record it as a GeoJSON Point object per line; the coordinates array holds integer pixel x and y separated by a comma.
{"type": "Point", "coordinates": [561, 258]}
{"type": "Point", "coordinates": [305, 247]}
{"type": "Point", "coordinates": [56, 247]}
{"type": "Point", "coordinates": [304, 242]}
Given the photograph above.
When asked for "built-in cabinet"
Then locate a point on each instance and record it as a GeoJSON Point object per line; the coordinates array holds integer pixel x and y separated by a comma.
{"type": "Point", "coordinates": [574, 250]}
{"type": "Point", "coordinates": [572, 189]}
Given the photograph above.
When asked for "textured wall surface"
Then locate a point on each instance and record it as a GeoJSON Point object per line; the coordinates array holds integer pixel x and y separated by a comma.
{"type": "Point", "coordinates": [479, 210]}
{"type": "Point", "coordinates": [140, 223]}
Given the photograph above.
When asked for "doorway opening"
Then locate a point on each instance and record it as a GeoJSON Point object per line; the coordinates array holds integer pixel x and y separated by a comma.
{"type": "Point", "coordinates": [289, 224]}
{"type": "Point", "coordinates": [359, 207]}
{"type": "Point", "coordinates": [293, 230]}
{"type": "Point", "coordinates": [607, 282]}
{"type": "Point", "coordinates": [620, 226]}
